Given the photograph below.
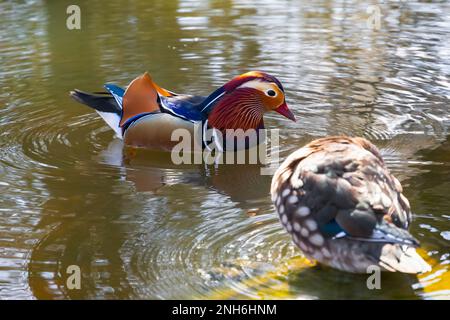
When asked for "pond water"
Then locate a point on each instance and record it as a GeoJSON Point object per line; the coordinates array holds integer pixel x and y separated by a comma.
{"type": "Point", "coordinates": [140, 227]}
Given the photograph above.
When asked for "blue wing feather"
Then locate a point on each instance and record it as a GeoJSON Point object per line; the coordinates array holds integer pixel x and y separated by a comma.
{"type": "Point", "coordinates": [185, 107]}
{"type": "Point", "coordinates": [117, 92]}
{"type": "Point", "coordinates": [190, 108]}
{"type": "Point", "coordinates": [331, 229]}
{"type": "Point", "coordinates": [383, 232]}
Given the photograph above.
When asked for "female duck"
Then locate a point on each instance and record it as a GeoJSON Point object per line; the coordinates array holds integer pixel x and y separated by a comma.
{"type": "Point", "coordinates": [146, 115]}
{"type": "Point", "coordinates": [344, 209]}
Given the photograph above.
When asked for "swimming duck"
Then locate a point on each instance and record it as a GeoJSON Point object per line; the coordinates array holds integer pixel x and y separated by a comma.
{"type": "Point", "coordinates": [145, 115]}
{"type": "Point", "coordinates": [343, 208]}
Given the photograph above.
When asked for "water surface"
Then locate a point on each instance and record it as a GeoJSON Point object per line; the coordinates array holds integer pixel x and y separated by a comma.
{"type": "Point", "coordinates": [140, 227]}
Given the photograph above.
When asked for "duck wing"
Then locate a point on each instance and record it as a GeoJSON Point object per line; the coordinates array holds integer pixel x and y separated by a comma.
{"type": "Point", "coordinates": [346, 186]}
{"type": "Point", "coordinates": [186, 107]}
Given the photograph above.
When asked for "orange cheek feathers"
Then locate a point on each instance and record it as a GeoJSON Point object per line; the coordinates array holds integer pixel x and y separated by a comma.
{"type": "Point", "coordinates": [271, 103]}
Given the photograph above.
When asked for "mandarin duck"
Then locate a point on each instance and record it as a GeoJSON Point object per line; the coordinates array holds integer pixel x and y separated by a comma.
{"type": "Point", "coordinates": [344, 209]}
{"type": "Point", "coordinates": [145, 115]}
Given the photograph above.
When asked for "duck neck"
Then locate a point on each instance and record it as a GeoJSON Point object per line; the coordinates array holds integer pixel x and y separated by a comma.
{"type": "Point", "coordinates": [241, 109]}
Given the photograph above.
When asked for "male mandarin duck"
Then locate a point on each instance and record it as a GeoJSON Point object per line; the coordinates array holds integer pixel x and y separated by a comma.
{"type": "Point", "coordinates": [145, 115]}
{"type": "Point", "coordinates": [344, 208]}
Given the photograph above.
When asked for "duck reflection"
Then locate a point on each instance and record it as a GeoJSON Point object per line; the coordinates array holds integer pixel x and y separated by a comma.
{"type": "Point", "coordinates": [149, 171]}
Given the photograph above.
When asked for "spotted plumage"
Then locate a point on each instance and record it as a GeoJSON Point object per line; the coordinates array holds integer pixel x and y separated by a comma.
{"type": "Point", "coordinates": [344, 208]}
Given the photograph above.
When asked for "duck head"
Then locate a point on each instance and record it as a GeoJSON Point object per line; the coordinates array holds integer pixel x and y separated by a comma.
{"type": "Point", "coordinates": [243, 101]}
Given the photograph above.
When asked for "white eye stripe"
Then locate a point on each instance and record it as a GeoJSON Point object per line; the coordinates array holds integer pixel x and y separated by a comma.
{"type": "Point", "coordinates": [263, 86]}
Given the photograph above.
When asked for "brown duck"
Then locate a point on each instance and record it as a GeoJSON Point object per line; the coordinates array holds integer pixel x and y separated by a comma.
{"type": "Point", "coordinates": [344, 208]}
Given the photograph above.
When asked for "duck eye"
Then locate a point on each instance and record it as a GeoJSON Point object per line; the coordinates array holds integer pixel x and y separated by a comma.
{"type": "Point", "coordinates": [271, 93]}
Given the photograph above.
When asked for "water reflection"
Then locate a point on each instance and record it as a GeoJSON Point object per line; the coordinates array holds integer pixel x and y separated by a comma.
{"type": "Point", "coordinates": [140, 227]}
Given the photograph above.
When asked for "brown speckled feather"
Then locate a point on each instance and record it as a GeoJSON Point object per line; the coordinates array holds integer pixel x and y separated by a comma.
{"type": "Point", "coordinates": [342, 205]}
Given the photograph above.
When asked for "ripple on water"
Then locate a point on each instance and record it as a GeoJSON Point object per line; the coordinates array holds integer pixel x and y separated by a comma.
{"type": "Point", "coordinates": [206, 244]}
{"type": "Point", "coordinates": [145, 230]}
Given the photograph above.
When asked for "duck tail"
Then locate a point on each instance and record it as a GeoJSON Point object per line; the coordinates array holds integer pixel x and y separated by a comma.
{"type": "Point", "coordinates": [402, 258]}
{"type": "Point", "coordinates": [100, 101]}
{"type": "Point", "coordinates": [105, 104]}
